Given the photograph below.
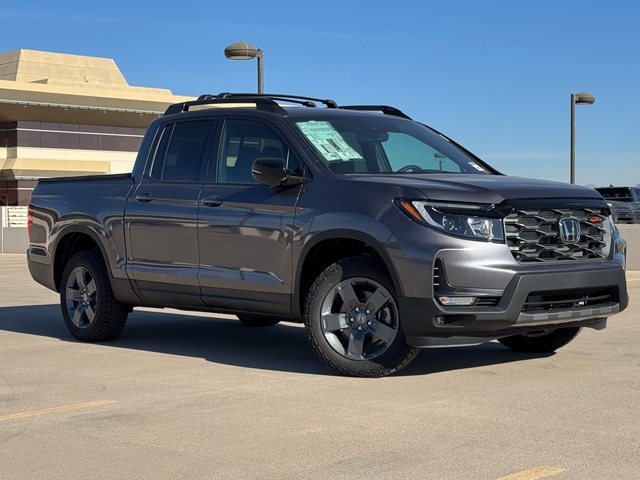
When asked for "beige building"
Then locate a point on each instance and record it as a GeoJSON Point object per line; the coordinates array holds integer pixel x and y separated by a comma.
{"type": "Point", "coordinates": [64, 115]}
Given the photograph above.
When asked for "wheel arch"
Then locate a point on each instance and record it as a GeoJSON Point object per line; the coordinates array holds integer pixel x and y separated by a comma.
{"type": "Point", "coordinates": [74, 240]}
{"type": "Point", "coordinates": [329, 247]}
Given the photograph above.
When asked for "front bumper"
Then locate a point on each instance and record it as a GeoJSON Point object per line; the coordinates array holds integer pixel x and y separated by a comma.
{"type": "Point", "coordinates": [584, 298]}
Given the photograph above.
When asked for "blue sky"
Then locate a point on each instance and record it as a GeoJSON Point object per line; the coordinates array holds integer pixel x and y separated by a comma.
{"type": "Point", "coordinates": [494, 75]}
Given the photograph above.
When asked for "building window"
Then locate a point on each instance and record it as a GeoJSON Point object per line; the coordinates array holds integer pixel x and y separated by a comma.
{"type": "Point", "coordinates": [70, 136]}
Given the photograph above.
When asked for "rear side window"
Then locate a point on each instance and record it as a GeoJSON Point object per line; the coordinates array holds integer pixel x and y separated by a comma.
{"type": "Point", "coordinates": [180, 153]}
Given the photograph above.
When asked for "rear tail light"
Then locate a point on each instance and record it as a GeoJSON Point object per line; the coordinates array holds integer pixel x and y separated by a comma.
{"type": "Point", "coordinates": [30, 218]}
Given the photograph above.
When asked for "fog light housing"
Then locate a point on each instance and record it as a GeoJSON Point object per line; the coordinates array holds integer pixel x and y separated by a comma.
{"type": "Point", "coordinates": [456, 301]}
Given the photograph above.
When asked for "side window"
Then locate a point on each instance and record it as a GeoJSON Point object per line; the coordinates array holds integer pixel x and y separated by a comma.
{"type": "Point", "coordinates": [242, 142]}
{"type": "Point", "coordinates": [180, 152]}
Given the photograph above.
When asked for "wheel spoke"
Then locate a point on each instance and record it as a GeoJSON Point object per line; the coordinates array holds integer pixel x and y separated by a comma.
{"type": "Point", "coordinates": [77, 315]}
{"type": "Point", "coordinates": [91, 287]}
{"type": "Point", "coordinates": [356, 344]}
{"type": "Point", "coordinates": [376, 301]}
{"type": "Point", "coordinates": [334, 321]}
{"type": "Point", "coordinates": [73, 295]}
{"type": "Point", "coordinates": [382, 331]}
{"type": "Point", "coordinates": [80, 278]}
{"type": "Point", "coordinates": [348, 294]}
{"type": "Point", "coordinates": [90, 311]}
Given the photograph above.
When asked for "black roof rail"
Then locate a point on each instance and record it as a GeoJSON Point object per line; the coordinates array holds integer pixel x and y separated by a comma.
{"type": "Point", "coordinates": [264, 101]}
{"type": "Point", "coordinates": [269, 102]}
{"type": "Point", "coordinates": [261, 102]}
{"type": "Point", "coordinates": [305, 101]}
{"type": "Point", "coordinates": [386, 109]}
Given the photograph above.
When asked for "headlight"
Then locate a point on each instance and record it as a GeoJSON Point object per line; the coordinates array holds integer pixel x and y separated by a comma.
{"type": "Point", "coordinates": [610, 230]}
{"type": "Point", "coordinates": [454, 219]}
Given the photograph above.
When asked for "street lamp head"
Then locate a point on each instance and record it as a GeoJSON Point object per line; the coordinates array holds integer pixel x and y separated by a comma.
{"type": "Point", "coordinates": [583, 98]}
{"type": "Point", "coordinates": [241, 51]}
{"type": "Point", "coordinates": [246, 51]}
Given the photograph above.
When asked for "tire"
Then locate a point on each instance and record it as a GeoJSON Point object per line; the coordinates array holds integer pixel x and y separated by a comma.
{"type": "Point", "coordinates": [352, 320]}
{"type": "Point", "coordinates": [258, 321]}
{"type": "Point", "coordinates": [89, 308]}
{"type": "Point", "coordinates": [541, 341]}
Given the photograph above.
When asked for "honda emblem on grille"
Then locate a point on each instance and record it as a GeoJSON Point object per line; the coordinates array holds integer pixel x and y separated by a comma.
{"type": "Point", "coordinates": [569, 230]}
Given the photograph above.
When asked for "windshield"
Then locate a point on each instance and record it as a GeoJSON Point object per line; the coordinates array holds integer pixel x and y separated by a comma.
{"type": "Point", "coordinates": [382, 144]}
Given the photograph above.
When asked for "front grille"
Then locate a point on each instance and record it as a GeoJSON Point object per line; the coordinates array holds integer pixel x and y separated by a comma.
{"type": "Point", "coordinates": [547, 301]}
{"type": "Point", "coordinates": [533, 234]}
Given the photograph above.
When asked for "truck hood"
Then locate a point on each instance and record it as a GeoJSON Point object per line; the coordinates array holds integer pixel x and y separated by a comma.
{"type": "Point", "coordinates": [487, 189]}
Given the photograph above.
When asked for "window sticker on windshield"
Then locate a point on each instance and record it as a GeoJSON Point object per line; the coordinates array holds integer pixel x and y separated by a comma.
{"type": "Point", "coordinates": [477, 167]}
{"type": "Point", "coordinates": [328, 141]}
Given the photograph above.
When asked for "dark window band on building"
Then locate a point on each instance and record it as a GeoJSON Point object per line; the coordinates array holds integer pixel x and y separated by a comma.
{"type": "Point", "coordinates": [71, 136]}
{"type": "Point", "coordinates": [15, 192]}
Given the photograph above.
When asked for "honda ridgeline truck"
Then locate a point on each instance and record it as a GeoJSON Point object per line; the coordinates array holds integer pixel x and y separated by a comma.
{"type": "Point", "coordinates": [380, 234]}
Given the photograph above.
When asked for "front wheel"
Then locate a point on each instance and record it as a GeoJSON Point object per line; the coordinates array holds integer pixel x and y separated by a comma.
{"type": "Point", "coordinates": [541, 341]}
{"type": "Point", "coordinates": [89, 307]}
{"type": "Point", "coordinates": [352, 320]}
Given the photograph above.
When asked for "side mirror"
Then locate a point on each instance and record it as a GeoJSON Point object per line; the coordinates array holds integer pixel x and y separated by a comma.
{"type": "Point", "coordinates": [273, 172]}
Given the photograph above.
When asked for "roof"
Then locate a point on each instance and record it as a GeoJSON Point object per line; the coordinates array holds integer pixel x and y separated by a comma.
{"type": "Point", "coordinates": [58, 87]}
{"type": "Point", "coordinates": [34, 66]}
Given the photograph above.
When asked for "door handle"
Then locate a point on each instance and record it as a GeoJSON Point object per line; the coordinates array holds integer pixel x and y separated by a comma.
{"type": "Point", "coordinates": [212, 201]}
{"type": "Point", "coordinates": [145, 197]}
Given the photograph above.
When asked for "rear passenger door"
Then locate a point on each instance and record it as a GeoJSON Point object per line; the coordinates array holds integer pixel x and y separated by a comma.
{"type": "Point", "coordinates": [245, 228]}
{"type": "Point", "coordinates": [161, 218]}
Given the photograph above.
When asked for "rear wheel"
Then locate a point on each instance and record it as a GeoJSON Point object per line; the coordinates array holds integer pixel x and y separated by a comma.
{"type": "Point", "coordinates": [541, 341]}
{"type": "Point", "coordinates": [89, 307]}
{"type": "Point", "coordinates": [352, 320]}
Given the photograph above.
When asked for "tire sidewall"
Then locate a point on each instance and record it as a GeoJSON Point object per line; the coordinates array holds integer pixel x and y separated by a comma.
{"type": "Point", "coordinates": [107, 324]}
{"type": "Point", "coordinates": [397, 355]}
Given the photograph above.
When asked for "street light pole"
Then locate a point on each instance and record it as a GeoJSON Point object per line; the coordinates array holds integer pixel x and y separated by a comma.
{"type": "Point", "coordinates": [577, 99]}
{"type": "Point", "coordinates": [246, 51]}
{"type": "Point", "coordinates": [260, 58]}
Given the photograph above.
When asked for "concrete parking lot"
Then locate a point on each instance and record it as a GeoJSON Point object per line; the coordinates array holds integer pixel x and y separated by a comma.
{"type": "Point", "coordinates": [189, 396]}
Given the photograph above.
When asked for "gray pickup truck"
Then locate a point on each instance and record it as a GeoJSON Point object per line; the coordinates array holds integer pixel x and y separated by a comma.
{"type": "Point", "coordinates": [380, 234]}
